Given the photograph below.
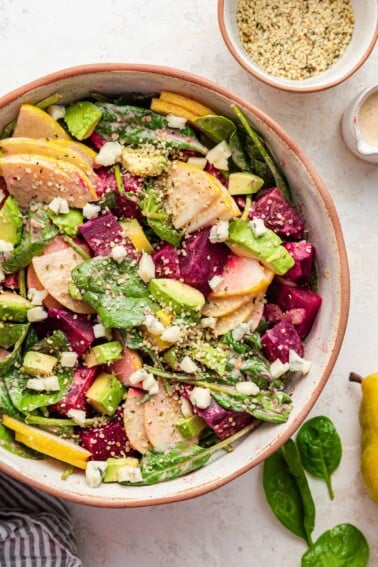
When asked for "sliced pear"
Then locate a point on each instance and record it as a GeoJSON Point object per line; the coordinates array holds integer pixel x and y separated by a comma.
{"type": "Point", "coordinates": [33, 282]}
{"type": "Point", "coordinates": [34, 122]}
{"type": "Point", "coordinates": [186, 102]}
{"type": "Point", "coordinates": [242, 276]}
{"type": "Point", "coordinates": [53, 270]}
{"type": "Point", "coordinates": [228, 322]}
{"type": "Point", "coordinates": [133, 418]}
{"type": "Point", "coordinates": [47, 443]}
{"type": "Point", "coordinates": [219, 306]}
{"type": "Point", "coordinates": [167, 107]}
{"type": "Point", "coordinates": [192, 192]}
{"type": "Point", "coordinates": [161, 414]}
{"type": "Point", "coordinates": [41, 178]}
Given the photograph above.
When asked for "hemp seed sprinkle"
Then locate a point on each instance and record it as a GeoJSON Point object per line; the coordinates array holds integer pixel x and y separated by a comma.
{"type": "Point", "coordinates": [295, 39]}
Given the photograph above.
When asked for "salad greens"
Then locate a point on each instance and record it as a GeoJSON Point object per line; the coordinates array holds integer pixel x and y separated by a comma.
{"type": "Point", "coordinates": [128, 315]}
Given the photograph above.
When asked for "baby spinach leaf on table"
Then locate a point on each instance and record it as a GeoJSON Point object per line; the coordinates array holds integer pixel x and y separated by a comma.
{"type": "Point", "coordinates": [38, 232]}
{"type": "Point", "coordinates": [320, 448]}
{"type": "Point", "coordinates": [8, 442]}
{"type": "Point", "coordinates": [135, 126]}
{"type": "Point", "coordinates": [342, 546]}
{"type": "Point", "coordinates": [114, 290]}
{"type": "Point", "coordinates": [287, 492]}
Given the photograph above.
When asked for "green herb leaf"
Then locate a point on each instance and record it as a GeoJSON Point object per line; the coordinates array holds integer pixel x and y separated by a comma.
{"type": "Point", "coordinates": [342, 546]}
{"type": "Point", "coordinates": [320, 448]}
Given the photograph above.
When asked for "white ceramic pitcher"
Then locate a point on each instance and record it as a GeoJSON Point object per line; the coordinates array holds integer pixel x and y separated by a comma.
{"type": "Point", "coordinates": [359, 125]}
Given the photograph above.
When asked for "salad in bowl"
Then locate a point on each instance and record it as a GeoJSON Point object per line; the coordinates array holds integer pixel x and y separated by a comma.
{"type": "Point", "coordinates": [158, 284]}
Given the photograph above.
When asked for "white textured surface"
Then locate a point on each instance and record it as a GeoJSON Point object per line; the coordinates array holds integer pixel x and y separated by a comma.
{"type": "Point", "coordinates": [231, 526]}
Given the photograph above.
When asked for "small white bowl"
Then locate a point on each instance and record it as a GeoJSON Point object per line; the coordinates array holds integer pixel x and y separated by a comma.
{"type": "Point", "coordinates": [351, 127]}
{"type": "Point", "coordinates": [363, 40]}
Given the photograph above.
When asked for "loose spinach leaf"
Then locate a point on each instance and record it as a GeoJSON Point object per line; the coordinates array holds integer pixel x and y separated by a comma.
{"type": "Point", "coordinates": [320, 448]}
{"type": "Point", "coordinates": [287, 491]}
{"type": "Point", "coordinates": [38, 232]}
{"type": "Point", "coordinates": [114, 290]}
{"type": "Point", "coordinates": [342, 546]}
{"type": "Point", "coordinates": [8, 442]}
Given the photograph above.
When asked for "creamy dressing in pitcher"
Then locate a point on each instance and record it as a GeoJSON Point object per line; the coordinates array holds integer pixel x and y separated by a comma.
{"type": "Point", "coordinates": [368, 120]}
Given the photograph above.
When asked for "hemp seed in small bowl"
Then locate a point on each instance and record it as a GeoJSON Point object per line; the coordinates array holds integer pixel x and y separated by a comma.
{"type": "Point", "coordinates": [299, 45]}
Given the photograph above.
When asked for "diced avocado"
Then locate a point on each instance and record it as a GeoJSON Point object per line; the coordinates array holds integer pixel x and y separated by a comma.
{"type": "Point", "coordinates": [143, 163]}
{"type": "Point", "coordinates": [82, 118]}
{"type": "Point", "coordinates": [13, 307]}
{"type": "Point", "coordinates": [244, 183]}
{"type": "Point", "coordinates": [10, 333]}
{"type": "Point", "coordinates": [214, 358]}
{"type": "Point", "coordinates": [106, 393]}
{"type": "Point", "coordinates": [192, 426]}
{"type": "Point", "coordinates": [114, 464]}
{"type": "Point", "coordinates": [103, 354]}
{"type": "Point", "coordinates": [38, 364]}
{"type": "Point", "coordinates": [69, 222]}
{"type": "Point", "coordinates": [267, 247]}
{"type": "Point", "coordinates": [134, 231]}
{"type": "Point", "coordinates": [182, 298]}
{"type": "Point", "coordinates": [10, 221]}
{"type": "Point", "coordinates": [170, 358]}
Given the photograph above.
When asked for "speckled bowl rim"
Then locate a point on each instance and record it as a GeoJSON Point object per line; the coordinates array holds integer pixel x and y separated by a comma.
{"type": "Point", "coordinates": [206, 487]}
{"type": "Point", "coordinates": [270, 80]}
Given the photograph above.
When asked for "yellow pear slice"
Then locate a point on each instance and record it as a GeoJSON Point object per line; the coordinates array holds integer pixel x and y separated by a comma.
{"type": "Point", "coordinates": [161, 413]}
{"type": "Point", "coordinates": [47, 443]}
{"type": "Point", "coordinates": [41, 178]}
{"type": "Point", "coordinates": [54, 272]}
{"type": "Point", "coordinates": [32, 122]}
{"type": "Point", "coordinates": [192, 191]}
{"type": "Point", "coordinates": [186, 102]}
{"type": "Point", "coordinates": [133, 417]}
{"type": "Point", "coordinates": [167, 107]}
{"type": "Point", "coordinates": [250, 312]}
{"type": "Point", "coordinates": [219, 306]}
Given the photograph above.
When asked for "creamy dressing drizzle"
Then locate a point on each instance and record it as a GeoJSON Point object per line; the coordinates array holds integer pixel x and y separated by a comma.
{"type": "Point", "coordinates": [368, 120]}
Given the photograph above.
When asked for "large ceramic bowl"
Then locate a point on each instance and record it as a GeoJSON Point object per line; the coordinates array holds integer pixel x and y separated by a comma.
{"type": "Point", "coordinates": [322, 345]}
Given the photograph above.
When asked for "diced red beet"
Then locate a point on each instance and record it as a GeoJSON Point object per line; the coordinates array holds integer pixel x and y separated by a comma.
{"type": "Point", "coordinates": [77, 328]}
{"type": "Point", "coordinates": [277, 214]}
{"type": "Point", "coordinates": [279, 340]}
{"type": "Point", "coordinates": [10, 281]}
{"type": "Point", "coordinates": [132, 184]}
{"type": "Point", "coordinates": [200, 260]}
{"type": "Point", "coordinates": [222, 421]}
{"type": "Point", "coordinates": [96, 141]}
{"type": "Point", "coordinates": [75, 397]}
{"type": "Point", "coordinates": [290, 296]}
{"type": "Point", "coordinates": [109, 440]}
{"type": "Point", "coordinates": [272, 313]}
{"type": "Point", "coordinates": [218, 174]}
{"type": "Point", "coordinates": [104, 232]}
{"type": "Point", "coordinates": [166, 260]}
{"type": "Point", "coordinates": [303, 253]}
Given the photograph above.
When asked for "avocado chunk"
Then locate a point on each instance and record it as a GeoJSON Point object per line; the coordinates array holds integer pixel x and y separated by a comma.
{"type": "Point", "coordinates": [192, 426]}
{"type": "Point", "coordinates": [244, 183]}
{"type": "Point", "coordinates": [13, 307]}
{"type": "Point", "coordinates": [267, 247]}
{"type": "Point", "coordinates": [181, 297]}
{"type": "Point", "coordinates": [106, 393]}
{"type": "Point", "coordinates": [214, 358]}
{"type": "Point", "coordinates": [38, 363]}
{"type": "Point", "coordinates": [82, 118]}
{"type": "Point", "coordinates": [69, 222]}
{"type": "Point", "coordinates": [10, 222]}
{"type": "Point", "coordinates": [113, 465]}
{"type": "Point", "coordinates": [103, 354]}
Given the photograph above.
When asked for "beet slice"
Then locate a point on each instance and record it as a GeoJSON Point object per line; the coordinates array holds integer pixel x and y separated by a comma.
{"type": "Point", "coordinates": [77, 328]}
{"type": "Point", "coordinates": [277, 214]}
{"type": "Point", "coordinates": [200, 260]}
{"type": "Point", "coordinates": [303, 253]}
{"type": "Point", "coordinates": [279, 340]}
{"type": "Point", "coordinates": [131, 183]}
{"type": "Point", "coordinates": [103, 233]}
{"type": "Point", "coordinates": [166, 260]}
{"type": "Point", "coordinates": [109, 440]}
{"type": "Point", "coordinates": [75, 397]}
{"type": "Point", "coordinates": [222, 421]}
{"type": "Point", "coordinates": [289, 296]}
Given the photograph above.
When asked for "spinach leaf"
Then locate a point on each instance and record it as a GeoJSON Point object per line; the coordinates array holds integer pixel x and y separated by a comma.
{"type": "Point", "coordinates": [342, 546]}
{"type": "Point", "coordinates": [320, 448]}
{"type": "Point", "coordinates": [274, 407]}
{"type": "Point", "coordinates": [10, 333]}
{"type": "Point", "coordinates": [38, 232]}
{"type": "Point", "coordinates": [287, 491]}
{"type": "Point", "coordinates": [6, 405]}
{"type": "Point", "coordinates": [8, 442]}
{"type": "Point", "coordinates": [157, 217]}
{"type": "Point", "coordinates": [114, 290]}
{"type": "Point", "coordinates": [9, 360]}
